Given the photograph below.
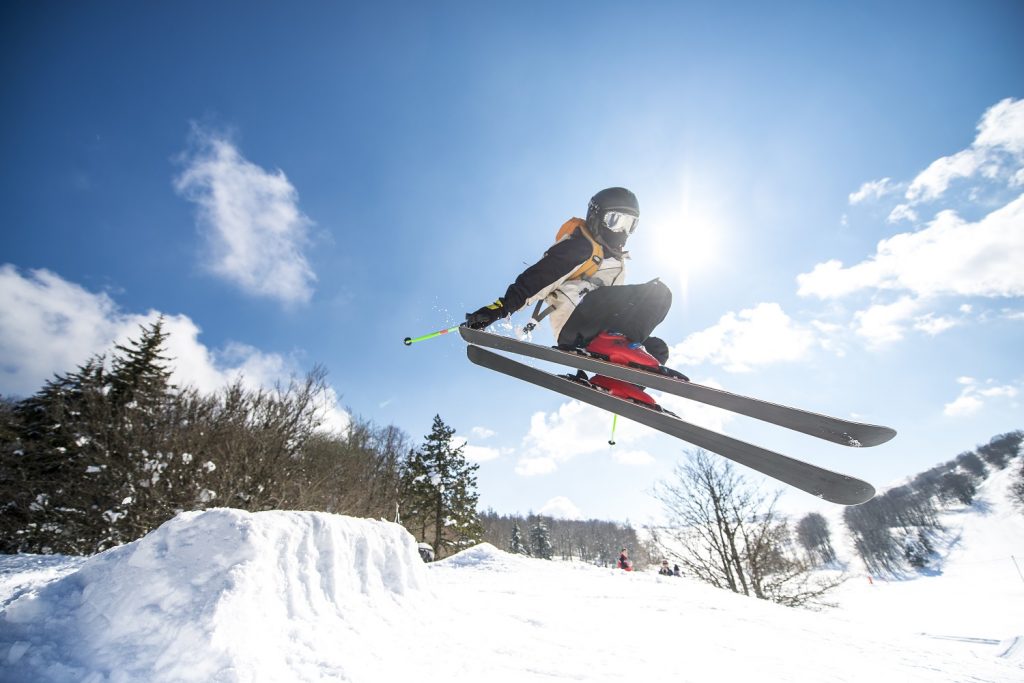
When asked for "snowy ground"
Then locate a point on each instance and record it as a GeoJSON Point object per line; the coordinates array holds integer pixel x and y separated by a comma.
{"type": "Point", "coordinates": [230, 596]}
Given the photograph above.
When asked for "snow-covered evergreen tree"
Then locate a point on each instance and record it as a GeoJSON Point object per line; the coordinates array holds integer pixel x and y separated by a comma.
{"type": "Point", "coordinates": [540, 540]}
{"type": "Point", "coordinates": [439, 497]}
{"type": "Point", "coordinates": [516, 545]}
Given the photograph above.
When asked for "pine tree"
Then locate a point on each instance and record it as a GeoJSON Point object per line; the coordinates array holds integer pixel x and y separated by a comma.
{"type": "Point", "coordinates": [540, 540]}
{"type": "Point", "coordinates": [516, 546]}
{"type": "Point", "coordinates": [90, 461]}
{"type": "Point", "coordinates": [140, 376]}
{"type": "Point", "coordinates": [439, 495]}
{"type": "Point", "coordinates": [45, 465]}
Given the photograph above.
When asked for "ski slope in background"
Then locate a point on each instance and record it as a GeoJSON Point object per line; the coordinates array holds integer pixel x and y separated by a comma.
{"type": "Point", "coordinates": [225, 595]}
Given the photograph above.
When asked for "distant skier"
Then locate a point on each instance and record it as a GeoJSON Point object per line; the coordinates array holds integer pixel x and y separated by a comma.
{"type": "Point", "coordinates": [665, 571]}
{"type": "Point", "coordinates": [581, 279]}
{"type": "Point", "coordinates": [624, 561]}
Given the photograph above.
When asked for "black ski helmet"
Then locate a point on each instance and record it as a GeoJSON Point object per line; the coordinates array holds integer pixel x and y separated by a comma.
{"type": "Point", "coordinates": [612, 199]}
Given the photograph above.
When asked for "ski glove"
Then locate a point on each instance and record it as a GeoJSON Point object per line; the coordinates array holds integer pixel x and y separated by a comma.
{"type": "Point", "coordinates": [482, 317]}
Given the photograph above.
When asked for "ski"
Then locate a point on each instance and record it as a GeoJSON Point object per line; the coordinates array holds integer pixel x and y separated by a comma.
{"type": "Point", "coordinates": [834, 429]}
{"type": "Point", "coordinates": [831, 486]}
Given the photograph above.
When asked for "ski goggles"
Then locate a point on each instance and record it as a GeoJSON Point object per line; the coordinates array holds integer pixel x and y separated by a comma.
{"type": "Point", "coordinates": [616, 221]}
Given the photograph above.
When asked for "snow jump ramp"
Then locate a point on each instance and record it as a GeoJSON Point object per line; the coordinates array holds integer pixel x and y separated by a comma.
{"type": "Point", "coordinates": [224, 595]}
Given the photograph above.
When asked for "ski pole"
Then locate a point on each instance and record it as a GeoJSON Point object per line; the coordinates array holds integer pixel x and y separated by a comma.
{"type": "Point", "coordinates": [615, 419]}
{"type": "Point", "coordinates": [409, 341]}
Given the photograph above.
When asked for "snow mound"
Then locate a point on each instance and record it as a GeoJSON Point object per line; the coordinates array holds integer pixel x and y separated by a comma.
{"type": "Point", "coordinates": [1012, 649]}
{"type": "Point", "coordinates": [482, 556]}
{"type": "Point", "coordinates": [220, 595]}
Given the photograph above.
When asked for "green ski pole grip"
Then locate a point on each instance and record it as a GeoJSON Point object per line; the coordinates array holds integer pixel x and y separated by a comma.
{"type": "Point", "coordinates": [409, 341]}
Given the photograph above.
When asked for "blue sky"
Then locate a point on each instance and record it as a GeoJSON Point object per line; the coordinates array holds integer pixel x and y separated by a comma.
{"type": "Point", "coordinates": [832, 193]}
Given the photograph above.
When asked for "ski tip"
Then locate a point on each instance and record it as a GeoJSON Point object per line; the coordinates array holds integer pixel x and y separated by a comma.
{"type": "Point", "coordinates": [852, 492]}
{"type": "Point", "coordinates": [875, 437]}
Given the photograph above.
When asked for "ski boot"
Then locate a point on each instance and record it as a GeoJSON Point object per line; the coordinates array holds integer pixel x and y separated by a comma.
{"type": "Point", "coordinates": [619, 389]}
{"type": "Point", "coordinates": [617, 348]}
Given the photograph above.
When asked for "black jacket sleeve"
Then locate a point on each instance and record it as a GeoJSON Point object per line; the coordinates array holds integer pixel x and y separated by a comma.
{"type": "Point", "coordinates": [558, 261]}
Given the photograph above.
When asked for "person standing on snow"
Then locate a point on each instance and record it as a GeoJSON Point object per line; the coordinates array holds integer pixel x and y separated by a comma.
{"type": "Point", "coordinates": [624, 561]}
{"type": "Point", "coordinates": [581, 278]}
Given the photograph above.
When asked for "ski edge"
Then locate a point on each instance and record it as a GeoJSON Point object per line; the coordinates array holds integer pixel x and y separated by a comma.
{"type": "Point", "coordinates": [832, 486]}
{"type": "Point", "coordinates": [826, 427]}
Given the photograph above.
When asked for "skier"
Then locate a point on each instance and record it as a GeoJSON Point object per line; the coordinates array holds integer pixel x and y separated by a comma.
{"type": "Point", "coordinates": [665, 571]}
{"type": "Point", "coordinates": [624, 561]}
{"type": "Point", "coordinates": [581, 279]}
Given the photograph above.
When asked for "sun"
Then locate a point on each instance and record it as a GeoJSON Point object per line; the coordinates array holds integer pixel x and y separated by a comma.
{"type": "Point", "coordinates": [689, 235]}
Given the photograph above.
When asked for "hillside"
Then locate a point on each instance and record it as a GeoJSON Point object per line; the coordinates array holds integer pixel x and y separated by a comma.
{"type": "Point", "coordinates": [225, 595]}
{"type": "Point", "coordinates": [972, 584]}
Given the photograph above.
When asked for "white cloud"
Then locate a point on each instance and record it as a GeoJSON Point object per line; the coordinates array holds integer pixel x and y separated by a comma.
{"type": "Point", "coordinates": [999, 392]}
{"type": "Point", "coordinates": [482, 432]}
{"type": "Point", "coordinates": [873, 189]}
{"type": "Point", "coordinates": [738, 342]}
{"type": "Point", "coordinates": [885, 323]}
{"type": "Point", "coordinates": [631, 457]}
{"type": "Point", "coordinates": [481, 453]}
{"type": "Point", "coordinates": [560, 507]}
{"type": "Point", "coordinates": [575, 429]}
{"type": "Point", "coordinates": [49, 325]}
{"type": "Point", "coordinates": [972, 397]}
{"type": "Point", "coordinates": [1002, 126]}
{"type": "Point", "coordinates": [964, 405]}
{"type": "Point", "coordinates": [996, 152]}
{"type": "Point", "coordinates": [935, 180]}
{"type": "Point", "coordinates": [578, 429]}
{"type": "Point", "coordinates": [475, 453]}
{"type": "Point", "coordinates": [532, 467]}
{"type": "Point", "coordinates": [902, 212]}
{"type": "Point", "coordinates": [933, 325]}
{"type": "Point", "coordinates": [251, 220]}
{"type": "Point", "coordinates": [949, 257]}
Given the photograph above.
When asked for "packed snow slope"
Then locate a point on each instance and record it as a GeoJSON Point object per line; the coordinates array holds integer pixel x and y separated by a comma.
{"type": "Point", "coordinates": [225, 595]}
{"type": "Point", "coordinates": [973, 589]}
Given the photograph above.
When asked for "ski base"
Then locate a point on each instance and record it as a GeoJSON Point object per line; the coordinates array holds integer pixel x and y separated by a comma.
{"type": "Point", "coordinates": [833, 429]}
{"type": "Point", "coordinates": [826, 484]}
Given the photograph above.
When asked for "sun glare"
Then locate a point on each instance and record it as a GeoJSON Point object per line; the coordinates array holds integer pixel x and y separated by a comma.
{"type": "Point", "coordinates": [688, 238]}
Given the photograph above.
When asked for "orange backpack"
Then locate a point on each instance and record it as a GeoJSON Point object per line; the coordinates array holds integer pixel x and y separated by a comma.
{"type": "Point", "coordinates": [584, 271]}
{"type": "Point", "coordinates": [591, 266]}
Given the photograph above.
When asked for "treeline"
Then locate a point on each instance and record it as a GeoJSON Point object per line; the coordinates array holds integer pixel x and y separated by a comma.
{"type": "Point", "coordinates": [725, 532]}
{"type": "Point", "coordinates": [594, 541]}
{"type": "Point", "coordinates": [897, 529]}
{"type": "Point", "coordinates": [102, 455]}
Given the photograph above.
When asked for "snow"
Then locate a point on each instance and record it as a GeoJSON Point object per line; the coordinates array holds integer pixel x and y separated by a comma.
{"type": "Point", "coordinates": [977, 586]}
{"type": "Point", "coordinates": [226, 596]}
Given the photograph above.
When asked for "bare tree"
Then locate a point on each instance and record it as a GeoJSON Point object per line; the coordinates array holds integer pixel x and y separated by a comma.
{"type": "Point", "coordinates": [726, 533]}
